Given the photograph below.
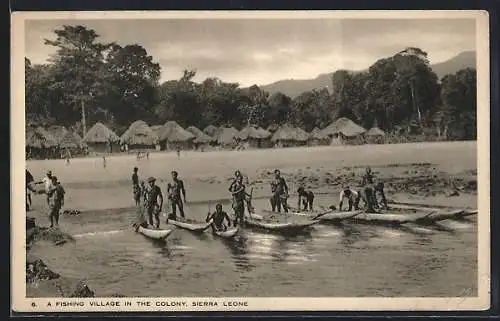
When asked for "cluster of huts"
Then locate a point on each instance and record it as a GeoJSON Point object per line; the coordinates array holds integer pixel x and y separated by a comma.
{"type": "Point", "coordinates": [56, 141]}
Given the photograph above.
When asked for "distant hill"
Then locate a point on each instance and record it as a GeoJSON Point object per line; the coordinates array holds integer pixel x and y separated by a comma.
{"type": "Point", "coordinates": [293, 88]}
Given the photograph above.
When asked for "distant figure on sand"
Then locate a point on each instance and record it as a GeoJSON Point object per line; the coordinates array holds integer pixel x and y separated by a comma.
{"type": "Point", "coordinates": [47, 182]}
{"type": "Point", "coordinates": [178, 150]}
{"type": "Point", "coordinates": [154, 202]}
{"type": "Point", "coordinates": [136, 189]}
{"type": "Point", "coordinates": [56, 201]}
{"type": "Point", "coordinates": [218, 217]}
{"type": "Point", "coordinates": [306, 197]}
{"type": "Point", "coordinates": [239, 195]}
{"type": "Point", "coordinates": [104, 161]}
{"type": "Point", "coordinates": [279, 190]}
{"type": "Point", "coordinates": [67, 156]}
{"type": "Point", "coordinates": [176, 194]}
{"type": "Point", "coordinates": [353, 197]}
{"type": "Point", "coordinates": [29, 189]}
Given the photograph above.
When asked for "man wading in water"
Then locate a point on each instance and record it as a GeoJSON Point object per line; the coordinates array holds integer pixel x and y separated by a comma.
{"type": "Point", "coordinates": [174, 190]}
{"type": "Point", "coordinates": [136, 188]}
{"type": "Point", "coordinates": [279, 191]}
{"type": "Point", "coordinates": [56, 201]}
{"type": "Point", "coordinates": [154, 202]}
{"type": "Point", "coordinates": [219, 216]}
{"type": "Point", "coordinates": [239, 194]}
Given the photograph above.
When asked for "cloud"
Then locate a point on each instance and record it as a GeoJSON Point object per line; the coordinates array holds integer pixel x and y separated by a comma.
{"type": "Point", "coordinates": [262, 51]}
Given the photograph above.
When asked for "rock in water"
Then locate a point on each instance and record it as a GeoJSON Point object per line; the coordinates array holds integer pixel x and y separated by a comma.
{"type": "Point", "coordinates": [82, 291]}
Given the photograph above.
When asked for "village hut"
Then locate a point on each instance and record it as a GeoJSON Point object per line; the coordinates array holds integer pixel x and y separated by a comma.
{"type": "Point", "coordinates": [343, 131]}
{"type": "Point", "coordinates": [226, 137]}
{"type": "Point", "coordinates": [211, 130]}
{"type": "Point", "coordinates": [173, 136]}
{"type": "Point", "coordinates": [202, 140]}
{"type": "Point", "coordinates": [374, 135]}
{"type": "Point", "coordinates": [67, 141]}
{"type": "Point", "coordinates": [316, 138]}
{"type": "Point", "coordinates": [40, 143]}
{"type": "Point", "coordinates": [253, 137]}
{"type": "Point", "coordinates": [139, 136]}
{"type": "Point", "coordinates": [273, 128]}
{"type": "Point", "coordinates": [101, 139]}
{"type": "Point", "coordinates": [289, 136]}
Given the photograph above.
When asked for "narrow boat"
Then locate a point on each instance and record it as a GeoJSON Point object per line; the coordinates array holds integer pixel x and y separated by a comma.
{"type": "Point", "coordinates": [337, 216]}
{"type": "Point", "coordinates": [227, 233]}
{"type": "Point", "coordinates": [388, 218]}
{"type": "Point", "coordinates": [154, 234]}
{"type": "Point", "coordinates": [281, 227]}
{"type": "Point", "coordinates": [441, 216]}
{"type": "Point", "coordinates": [193, 227]}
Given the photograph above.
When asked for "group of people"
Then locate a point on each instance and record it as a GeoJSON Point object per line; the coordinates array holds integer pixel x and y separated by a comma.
{"type": "Point", "coordinates": [150, 198]}
{"type": "Point", "coordinates": [369, 193]}
{"type": "Point", "coordinates": [54, 192]}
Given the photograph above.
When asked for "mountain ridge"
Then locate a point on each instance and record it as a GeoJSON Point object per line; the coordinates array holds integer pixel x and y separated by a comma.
{"type": "Point", "coordinates": [294, 87]}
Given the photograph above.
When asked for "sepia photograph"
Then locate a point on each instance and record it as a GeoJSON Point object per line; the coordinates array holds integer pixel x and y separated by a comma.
{"type": "Point", "coordinates": [234, 161]}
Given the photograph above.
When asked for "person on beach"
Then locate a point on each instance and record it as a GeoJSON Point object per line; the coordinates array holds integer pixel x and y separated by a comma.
{"type": "Point", "coordinates": [29, 189]}
{"type": "Point", "coordinates": [67, 156]}
{"type": "Point", "coordinates": [219, 217]}
{"type": "Point", "coordinates": [379, 191]}
{"type": "Point", "coordinates": [176, 194]}
{"type": "Point", "coordinates": [368, 190]}
{"type": "Point", "coordinates": [239, 196]}
{"type": "Point", "coordinates": [136, 189]}
{"type": "Point", "coordinates": [154, 202]}
{"type": "Point", "coordinates": [104, 161]}
{"type": "Point", "coordinates": [279, 190]}
{"type": "Point", "coordinates": [353, 197]}
{"type": "Point", "coordinates": [178, 150]}
{"type": "Point", "coordinates": [306, 198]}
{"type": "Point", "coordinates": [47, 182]}
{"type": "Point", "coordinates": [56, 201]}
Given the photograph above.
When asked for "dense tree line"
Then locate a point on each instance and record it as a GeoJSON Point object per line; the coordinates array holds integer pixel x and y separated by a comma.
{"type": "Point", "coordinates": [87, 81]}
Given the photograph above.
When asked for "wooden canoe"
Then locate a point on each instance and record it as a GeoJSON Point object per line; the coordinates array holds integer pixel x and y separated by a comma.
{"type": "Point", "coordinates": [193, 227]}
{"type": "Point", "coordinates": [281, 227]}
{"type": "Point", "coordinates": [154, 234]}
{"type": "Point", "coordinates": [388, 218]}
{"type": "Point", "coordinates": [337, 216]}
{"type": "Point", "coordinates": [228, 233]}
{"type": "Point", "coordinates": [441, 216]}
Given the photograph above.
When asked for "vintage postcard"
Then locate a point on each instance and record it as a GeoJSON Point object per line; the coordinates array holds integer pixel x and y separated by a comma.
{"type": "Point", "coordinates": [250, 161]}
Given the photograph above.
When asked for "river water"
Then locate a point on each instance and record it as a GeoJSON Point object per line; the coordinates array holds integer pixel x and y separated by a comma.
{"type": "Point", "coordinates": [352, 260]}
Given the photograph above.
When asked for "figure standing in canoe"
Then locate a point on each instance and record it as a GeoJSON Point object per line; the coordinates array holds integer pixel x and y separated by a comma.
{"type": "Point", "coordinates": [239, 196]}
{"type": "Point", "coordinates": [219, 217]}
{"type": "Point", "coordinates": [154, 202]}
{"type": "Point", "coordinates": [176, 194]}
{"type": "Point", "coordinates": [279, 190]}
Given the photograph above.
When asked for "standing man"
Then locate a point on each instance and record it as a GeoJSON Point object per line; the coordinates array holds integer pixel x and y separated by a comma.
{"type": "Point", "coordinates": [176, 194]}
{"type": "Point", "coordinates": [306, 197]}
{"type": "Point", "coordinates": [29, 189]}
{"type": "Point", "coordinates": [353, 197]}
{"type": "Point", "coordinates": [136, 189]}
{"type": "Point", "coordinates": [368, 189]}
{"type": "Point", "coordinates": [154, 202]}
{"type": "Point", "coordinates": [56, 201]}
{"type": "Point", "coordinates": [279, 190]}
{"type": "Point", "coordinates": [237, 190]}
{"type": "Point", "coordinates": [47, 182]}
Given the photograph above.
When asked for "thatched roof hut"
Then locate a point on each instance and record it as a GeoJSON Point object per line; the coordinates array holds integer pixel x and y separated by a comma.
{"type": "Point", "coordinates": [99, 133]}
{"type": "Point", "coordinates": [156, 129]}
{"type": "Point", "coordinates": [226, 135]}
{"type": "Point", "coordinates": [343, 126]}
{"type": "Point", "coordinates": [139, 133]}
{"type": "Point", "coordinates": [71, 140]}
{"type": "Point", "coordinates": [252, 132]}
{"type": "Point", "coordinates": [316, 133]}
{"type": "Point", "coordinates": [289, 133]}
{"type": "Point", "coordinates": [39, 138]}
{"type": "Point", "coordinates": [374, 132]}
{"type": "Point", "coordinates": [212, 130]}
{"type": "Point", "coordinates": [273, 128]}
{"type": "Point", "coordinates": [201, 137]}
{"type": "Point", "coordinates": [174, 133]}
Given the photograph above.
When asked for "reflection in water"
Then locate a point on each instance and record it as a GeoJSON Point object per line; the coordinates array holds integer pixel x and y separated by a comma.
{"type": "Point", "coordinates": [238, 246]}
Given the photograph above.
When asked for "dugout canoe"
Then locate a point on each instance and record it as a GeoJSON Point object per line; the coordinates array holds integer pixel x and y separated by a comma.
{"type": "Point", "coordinates": [332, 216]}
{"type": "Point", "coordinates": [227, 233]}
{"type": "Point", "coordinates": [388, 218]}
{"type": "Point", "coordinates": [281, 227]}
{"type": "Point", "coordinates": [193, 227]}
{"type": "Point", "coordinates": [441, 216]}
{"type": "Point", "coordinates": [154, 234]}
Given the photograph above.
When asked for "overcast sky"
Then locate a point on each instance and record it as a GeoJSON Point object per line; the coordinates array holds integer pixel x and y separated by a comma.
{"type": "Point", "coordinates": [263, 51]}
